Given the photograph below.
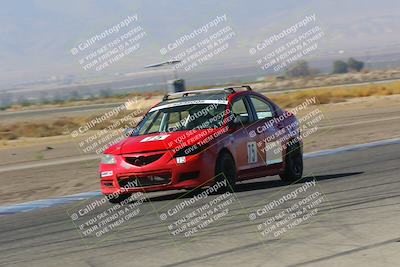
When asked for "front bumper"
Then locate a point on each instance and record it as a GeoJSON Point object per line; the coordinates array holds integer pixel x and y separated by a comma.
{"type": "Point", "coordinates": [163, 174]}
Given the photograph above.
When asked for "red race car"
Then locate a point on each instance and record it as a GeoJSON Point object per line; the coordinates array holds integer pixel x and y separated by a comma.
{"type": "Point", "coordinates": [200, 138]}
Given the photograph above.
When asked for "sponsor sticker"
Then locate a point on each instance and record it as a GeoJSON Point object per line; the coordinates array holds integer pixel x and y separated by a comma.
{"type": "Point", "coordinates": [181, 160]}
{"type": "Point", "coordinates": [106, 173]}
{"type": "Point", "coordinates": [155, 138]}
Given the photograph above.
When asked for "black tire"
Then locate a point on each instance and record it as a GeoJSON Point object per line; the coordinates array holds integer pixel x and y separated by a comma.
{"type": "Point", "coordinates": [293, 164]}
{"type": "Point", "coordinates": [226, 170]}
{"type": "Point", "coordinates": [118, 199]}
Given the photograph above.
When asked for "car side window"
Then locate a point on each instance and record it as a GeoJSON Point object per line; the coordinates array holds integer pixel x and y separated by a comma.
{"type": "Point", "coordinates": [262, 108]}
{"type": "Point", "coordinates": [240, 109]}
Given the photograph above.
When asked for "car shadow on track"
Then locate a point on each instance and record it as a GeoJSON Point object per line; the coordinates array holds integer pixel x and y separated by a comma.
{"type": "Point", "coordinates": [252, 186]}
{"type": "Point", "coordinates": [278, 183]}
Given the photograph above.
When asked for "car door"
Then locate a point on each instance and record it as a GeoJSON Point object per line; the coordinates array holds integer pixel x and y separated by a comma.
{"type": "Point", "coordinates": [247, 153]}
{"type": "Point", "coordinates": [270, 130]}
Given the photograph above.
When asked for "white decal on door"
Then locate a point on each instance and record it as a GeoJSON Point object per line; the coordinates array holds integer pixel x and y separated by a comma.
{"type": "Point", "coordinates": [251, 152]}
{"type": "Point", "coordinates": [273, 152]}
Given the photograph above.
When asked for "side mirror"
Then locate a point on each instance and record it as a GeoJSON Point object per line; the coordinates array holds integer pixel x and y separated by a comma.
{"type": "Point", "coordinates": [128, 132]}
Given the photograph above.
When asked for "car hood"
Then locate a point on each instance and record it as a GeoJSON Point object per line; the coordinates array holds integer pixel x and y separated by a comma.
{"type": "Point", "coordinates": [163, 141]}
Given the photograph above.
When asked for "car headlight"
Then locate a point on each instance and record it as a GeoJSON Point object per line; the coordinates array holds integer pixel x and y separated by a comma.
{"type": "Point", "coordinates": [108, 159]}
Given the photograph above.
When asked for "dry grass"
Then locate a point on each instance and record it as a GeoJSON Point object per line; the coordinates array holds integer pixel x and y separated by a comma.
{"type": "Point", "coordinates": [336, 94]}
{"type": "Point", "coordinates": [327, 80]}
{"type": "Point", "coordinates": [60, 126]}
{"type": "Point", "coordinates": [38, 129]}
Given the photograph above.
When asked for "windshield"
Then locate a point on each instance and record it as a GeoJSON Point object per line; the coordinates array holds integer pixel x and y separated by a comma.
{"type": "Point", "coordinates": [180, 118]}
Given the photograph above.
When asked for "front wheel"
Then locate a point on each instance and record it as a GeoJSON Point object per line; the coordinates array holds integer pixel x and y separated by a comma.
{"type": "Point", "coordinates": [226, 170]}
{"type": "Point", "coordinates": [293, 164]}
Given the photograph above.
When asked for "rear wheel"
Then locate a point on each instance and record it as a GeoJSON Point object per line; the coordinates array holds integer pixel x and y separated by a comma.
{"type": "Point", "coordinates": [293, 164]}
{"type": "Point", "coordinates": [226, 170]}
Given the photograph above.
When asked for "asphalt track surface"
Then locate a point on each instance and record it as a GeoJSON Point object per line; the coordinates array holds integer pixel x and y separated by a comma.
{"type": "Point", "coordinates": [357, 224]}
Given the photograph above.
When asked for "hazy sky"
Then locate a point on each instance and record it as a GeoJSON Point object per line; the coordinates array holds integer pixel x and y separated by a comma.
{"type": "Point", "coordinates": [36, 36]}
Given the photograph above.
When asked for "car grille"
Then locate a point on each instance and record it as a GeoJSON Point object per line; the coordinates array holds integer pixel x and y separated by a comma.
{"type": "Point", "coordinates": [143, 181]}
{"type": "Point", "coordinates": [143, 160]}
